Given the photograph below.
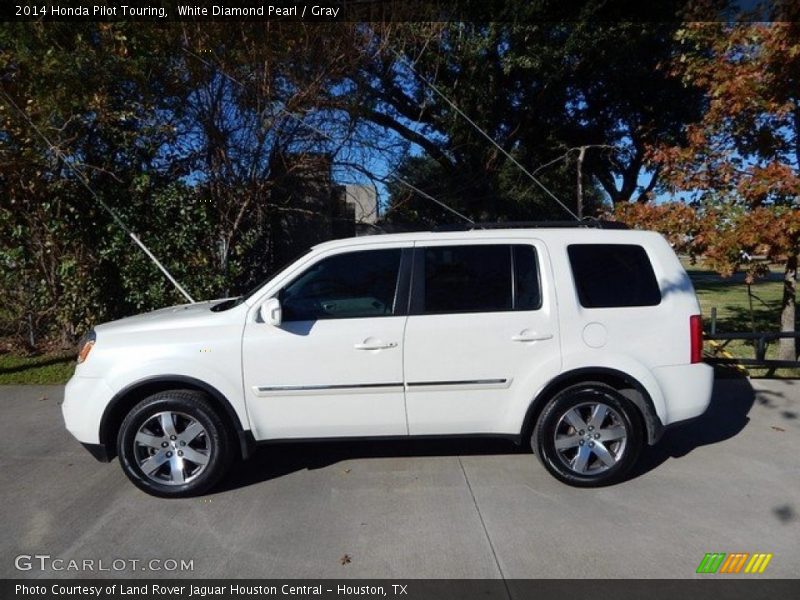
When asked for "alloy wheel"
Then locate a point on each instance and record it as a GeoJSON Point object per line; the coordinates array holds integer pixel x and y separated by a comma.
{"type": "Point", "coordinates": [590, 438]}
{"type": "Point", "coordinates": [171, 448]}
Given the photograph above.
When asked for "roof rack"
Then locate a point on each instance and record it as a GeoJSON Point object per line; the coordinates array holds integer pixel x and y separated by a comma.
{"type": "Point", "coordinates": [585, 223]}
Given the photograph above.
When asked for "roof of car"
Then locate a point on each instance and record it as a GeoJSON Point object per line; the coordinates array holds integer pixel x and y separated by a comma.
{"type": "Point", "coordinates": [588, 233]}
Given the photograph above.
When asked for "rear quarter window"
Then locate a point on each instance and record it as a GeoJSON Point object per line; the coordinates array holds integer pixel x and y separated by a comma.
{"type": "Point", "coordinates": [613, 275]}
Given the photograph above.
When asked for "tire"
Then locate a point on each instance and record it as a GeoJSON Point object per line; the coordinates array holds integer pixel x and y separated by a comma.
{"type": "Point", "coordinates": [174, 444]}
{"type": "Point", "coordinates": [578, 452]}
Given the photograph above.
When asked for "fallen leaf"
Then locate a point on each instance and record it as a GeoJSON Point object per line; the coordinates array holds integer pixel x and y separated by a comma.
{"type": "Point", "coordinates": [781, 429]}
{"type": "Point", "coordinates": [345, 471]}
{"type": "Point", "coordinates": [345, 560]}
{"type": "Point", "coordinates": [42, 398]}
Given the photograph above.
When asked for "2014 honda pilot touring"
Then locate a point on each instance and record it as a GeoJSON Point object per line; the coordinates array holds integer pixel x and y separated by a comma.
{"type": "Point", "coordinates": [587, 342]}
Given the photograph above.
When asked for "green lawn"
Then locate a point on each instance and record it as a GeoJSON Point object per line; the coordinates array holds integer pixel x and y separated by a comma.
{"type": "Point", "coordinates": [728, 295]}
{"type": "Point", "coordinates": [42, 369]}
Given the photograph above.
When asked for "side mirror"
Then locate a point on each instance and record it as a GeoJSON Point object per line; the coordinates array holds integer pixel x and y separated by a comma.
{"type": "Point", "coordinates": [270, 312]}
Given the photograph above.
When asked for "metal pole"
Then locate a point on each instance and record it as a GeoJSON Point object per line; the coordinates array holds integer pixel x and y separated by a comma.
{"type": "Point", "coordinates": [579, 206]}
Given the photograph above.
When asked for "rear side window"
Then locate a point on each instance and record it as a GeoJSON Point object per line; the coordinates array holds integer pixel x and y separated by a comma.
{"type": "Point", "coordinates": [478, 278]}
{"type": "Point", "coordinates": [613, 275]}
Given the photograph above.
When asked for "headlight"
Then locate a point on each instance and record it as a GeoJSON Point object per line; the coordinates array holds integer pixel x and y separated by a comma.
{"type": "Point", "coordinates": [85, 345]}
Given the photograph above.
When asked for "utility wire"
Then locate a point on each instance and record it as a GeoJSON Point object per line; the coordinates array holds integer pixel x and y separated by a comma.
{"type": "Point", "coordinates": [328, 137]}
{"type": "Point", "coordinates": [484, 134]}
{"type": "Point", "coordinates": [82, 178]}
{"type": "Point", "coordinates": [432, 199]}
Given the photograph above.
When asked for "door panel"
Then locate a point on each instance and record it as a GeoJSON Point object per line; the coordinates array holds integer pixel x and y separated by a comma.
{"type": "Point", "coordinates": [465, 370]}
{"type": "Point", "coordinates": [334, 368]}
{"type": "Point", "coordinates": [312, 379]}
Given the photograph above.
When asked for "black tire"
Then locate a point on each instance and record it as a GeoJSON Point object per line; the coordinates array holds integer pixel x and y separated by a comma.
{"type": "Point", "coordinates": [580, 465]}
{"type": "Point", "coordinates": [174, 477]}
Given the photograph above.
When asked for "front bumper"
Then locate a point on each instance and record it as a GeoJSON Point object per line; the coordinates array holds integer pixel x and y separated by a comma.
{"type": "Point", "coordinates": [85, 401]}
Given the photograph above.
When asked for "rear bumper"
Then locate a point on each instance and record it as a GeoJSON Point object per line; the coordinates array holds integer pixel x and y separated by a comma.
{"type": "Point", "coordinates": [686, 390]}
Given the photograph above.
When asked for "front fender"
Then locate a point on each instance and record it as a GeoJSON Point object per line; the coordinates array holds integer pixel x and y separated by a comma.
{"type": "Point", "coordinates": [227, 388]}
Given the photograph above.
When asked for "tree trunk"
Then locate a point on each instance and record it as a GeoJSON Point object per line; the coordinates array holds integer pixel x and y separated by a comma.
{"type": "Point", "coordinates": [787, 349]}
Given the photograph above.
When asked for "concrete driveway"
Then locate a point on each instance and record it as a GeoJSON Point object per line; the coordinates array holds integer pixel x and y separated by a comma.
{"type": "Point", "coordinates": [729, 482]}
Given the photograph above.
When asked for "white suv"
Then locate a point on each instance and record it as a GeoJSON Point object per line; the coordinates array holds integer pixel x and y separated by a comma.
{"type": "Point", "coordinates": [587, 341]}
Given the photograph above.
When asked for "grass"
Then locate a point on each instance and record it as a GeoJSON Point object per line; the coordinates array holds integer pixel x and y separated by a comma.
{"type": "Point", "coordinates": [733, 307]}
{"type": "Point", "coordinates": [40, 370]}
{"type": "Point", "coordinates": [728, 295]}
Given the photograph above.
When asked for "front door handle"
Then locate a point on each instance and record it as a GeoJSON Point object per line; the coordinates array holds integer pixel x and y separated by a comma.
{"type": "Point", "coordinates": [528, 335]}
{"type": "Point", "coordinates": [373, 344]}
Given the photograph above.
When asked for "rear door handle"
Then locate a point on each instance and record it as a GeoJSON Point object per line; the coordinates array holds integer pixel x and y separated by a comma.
{"type": "Point", "coordinates": [374, 345]}
{"type": "Point", "coordinates": [527, 335]}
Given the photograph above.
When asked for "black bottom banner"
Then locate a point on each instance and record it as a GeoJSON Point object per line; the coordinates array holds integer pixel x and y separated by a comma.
{"type": "Point", "coordinates": [408, 589]}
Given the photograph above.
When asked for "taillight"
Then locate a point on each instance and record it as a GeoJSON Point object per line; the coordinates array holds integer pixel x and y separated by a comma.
{"type": "Point", "coordinates": [696, 336]}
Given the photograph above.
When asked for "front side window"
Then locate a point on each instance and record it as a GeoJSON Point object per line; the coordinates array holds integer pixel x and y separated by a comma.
{"type": "Point", "coordinates": [479, 278]}
{"type": "Point", "coordinates": [351, 285]}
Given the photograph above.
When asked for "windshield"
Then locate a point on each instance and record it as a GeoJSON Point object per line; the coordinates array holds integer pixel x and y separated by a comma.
{"type": "Point", "coordinates": [231, 302]}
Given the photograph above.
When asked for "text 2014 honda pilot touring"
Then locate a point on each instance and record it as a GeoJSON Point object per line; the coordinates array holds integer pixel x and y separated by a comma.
{"type": "Point", "coordinates": [587, 342]}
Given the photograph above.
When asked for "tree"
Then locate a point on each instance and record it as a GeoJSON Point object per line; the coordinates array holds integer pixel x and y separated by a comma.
{"type": "Point", "coordinates": [512, 197]}
{"type": "Point", "coordinates": [177, 128]}
{"type": "Point", "coordinates": [83, 90]}
{"type": "Point", "coordinates": [742, 158]}
{"type": "Point", "coordinates": [541, 91]}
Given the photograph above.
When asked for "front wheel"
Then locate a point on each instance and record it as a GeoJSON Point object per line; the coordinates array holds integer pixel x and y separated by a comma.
{"type": "Point", "coordinates": [174, 444]}
{"type": "Point", "coordinates": [588, 435]}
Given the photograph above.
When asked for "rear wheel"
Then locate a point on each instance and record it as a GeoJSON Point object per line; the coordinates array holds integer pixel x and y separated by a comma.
{"type": "Point", "coordinates": [174, 444]}
{"type": "Point", "coordinates": [588, 435]}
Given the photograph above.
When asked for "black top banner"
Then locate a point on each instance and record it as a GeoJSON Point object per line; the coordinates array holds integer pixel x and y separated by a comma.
{"type": "Point", "coordinates": [517, 11]}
